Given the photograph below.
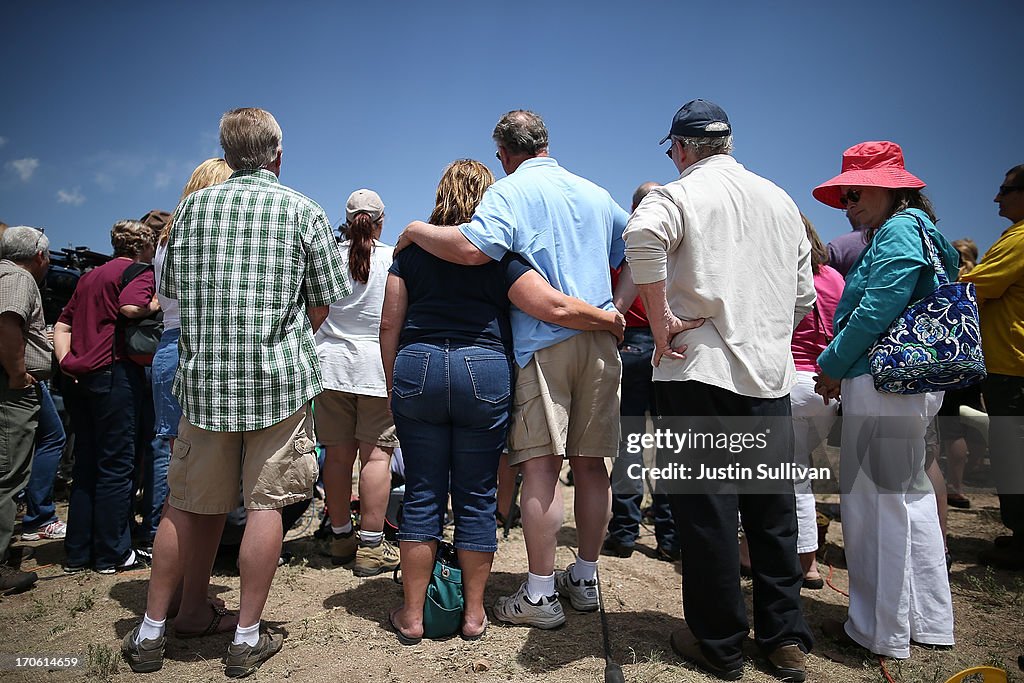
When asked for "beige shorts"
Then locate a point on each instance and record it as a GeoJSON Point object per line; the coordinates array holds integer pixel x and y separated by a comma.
{"type": "Point", "coordinates": [271, 467]}
{"type": "Point", "coordinates": [342, 417]}
{"type": "Point", "coordinates": [567, 400]}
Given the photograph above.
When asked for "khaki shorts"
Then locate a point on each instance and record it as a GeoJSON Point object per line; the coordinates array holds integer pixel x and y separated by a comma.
{"type": "Point", "coordinates": [272, 467]}
{"type": "Point", "coordinates": [567, 400]}
{"type": "Point", "coordinates": [342, 417]}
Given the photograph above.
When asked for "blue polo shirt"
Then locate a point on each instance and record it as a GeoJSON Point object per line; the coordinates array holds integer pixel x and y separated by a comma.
{"type": "Point", "coordinates": [566, 227]}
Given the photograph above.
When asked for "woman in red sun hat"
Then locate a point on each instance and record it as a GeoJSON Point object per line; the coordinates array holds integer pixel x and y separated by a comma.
{"type": "Point", "coordinates": [899, 586]}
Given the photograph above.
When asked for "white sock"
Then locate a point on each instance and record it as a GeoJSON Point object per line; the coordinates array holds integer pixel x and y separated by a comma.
{"type": "Point", "coordinates": [371, 538]}
{"type": "Point", "coordinates": [130, 561]}
{"type": "Point", "coordinates": [583, 570]}
{"type": "Point", "coordinates": [150, 629]}
{"type": "Point", "coordinates": [250, 635]}
{"type": "Point", "coordinates": [344, 529]}
{"type": "Point", "coordinates": [538, 587]}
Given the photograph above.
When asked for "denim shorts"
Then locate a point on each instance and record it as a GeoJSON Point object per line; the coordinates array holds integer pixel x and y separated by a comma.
{"type": "Point", "coordinates": [451, 405]}
{"type": "Point", "coordinates": [165, 364]}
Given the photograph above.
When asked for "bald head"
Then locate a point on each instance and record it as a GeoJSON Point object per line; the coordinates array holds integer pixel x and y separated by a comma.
{"type": "Point", "coordinates": [641, 192]}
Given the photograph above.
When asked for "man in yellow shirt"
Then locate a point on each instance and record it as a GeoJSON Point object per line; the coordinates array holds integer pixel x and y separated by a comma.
{"type": "Point", "coordinates": [999, 280]}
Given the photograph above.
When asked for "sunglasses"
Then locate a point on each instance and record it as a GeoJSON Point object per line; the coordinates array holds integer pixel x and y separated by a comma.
{"type": "Point", "coordinates": [1007, 189]}
{"type": "Point", "coordinates": [851, 197]}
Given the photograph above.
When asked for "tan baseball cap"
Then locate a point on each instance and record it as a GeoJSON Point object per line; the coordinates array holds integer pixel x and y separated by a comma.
{"type": "Point", "coordinates": [364, 201]}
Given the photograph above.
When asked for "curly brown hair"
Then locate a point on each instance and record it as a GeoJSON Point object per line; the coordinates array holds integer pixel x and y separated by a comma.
{"type": "Point", "coordinates": [129, 238]}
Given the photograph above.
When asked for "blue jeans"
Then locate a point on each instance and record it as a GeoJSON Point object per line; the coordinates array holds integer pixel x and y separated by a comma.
{"type": "Point", "coordinates": [451, 405]}
{"type": "Point", "coordinates": [628, 494]}
{"type": "Point", "coordinates": [50, 440]}
{"type": "Point", "coordinates": [165, 365]}
{"type": "Point", "coordinates": [103, 406]}
{"type": "Point", "coordinates": [157, 457]}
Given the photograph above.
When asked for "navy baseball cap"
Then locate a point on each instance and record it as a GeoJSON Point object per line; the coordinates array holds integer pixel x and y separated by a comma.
{"type": "Point", "coordinates": [699, 119]}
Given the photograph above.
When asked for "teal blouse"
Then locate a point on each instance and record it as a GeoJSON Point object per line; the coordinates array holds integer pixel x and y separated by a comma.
{"type": "Point", "coordinates": [893, 271]}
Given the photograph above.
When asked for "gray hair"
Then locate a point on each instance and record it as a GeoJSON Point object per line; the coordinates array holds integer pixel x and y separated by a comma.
{"type": "Point", "coordinates": [250, 137]}
{"type": "Point", "coordinates": [21, 243]}
{"type": "Point", "coordinates": [521, 132]}
{"type": "Point", "coordinates": [705, 147]}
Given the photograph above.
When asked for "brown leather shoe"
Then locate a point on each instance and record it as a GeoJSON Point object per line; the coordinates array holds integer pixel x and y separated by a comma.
{"type": "Point", "coordinates": [788, 663]}
{"type": "Point", "coordinates": [687, 646]}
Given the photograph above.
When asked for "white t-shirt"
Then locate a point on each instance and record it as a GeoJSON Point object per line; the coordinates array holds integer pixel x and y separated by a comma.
{"type": "Point", "coordinates": [347, 343]}
{"type": "Point", "coordinates": [172, 320]}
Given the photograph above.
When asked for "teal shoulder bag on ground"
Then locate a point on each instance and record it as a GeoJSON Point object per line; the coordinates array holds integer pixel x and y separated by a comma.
{"type": "Point", "coordinates": [442, 610]}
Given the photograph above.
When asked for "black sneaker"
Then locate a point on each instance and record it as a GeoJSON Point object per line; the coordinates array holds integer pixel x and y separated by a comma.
{"type": "Point", "coordinates": [616, 548]}
{"type": "Point", "coordinates": [15, 580]}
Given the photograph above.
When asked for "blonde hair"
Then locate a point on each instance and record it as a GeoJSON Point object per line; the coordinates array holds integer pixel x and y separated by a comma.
{"type": "Point", "coordinates": [968, 249]}
{"type": "Point", "coordinates": [210, 172]}
{"type": "Point", "coordinates": [130, 237]}
{"type": "Point", "coordinates": [462, 186]}
{"type": "Point", "coordinates": [250, 137]}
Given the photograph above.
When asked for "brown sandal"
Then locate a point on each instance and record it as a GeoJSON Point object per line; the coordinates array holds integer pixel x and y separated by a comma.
{"type": "Point", "coordinates": [211, 628]}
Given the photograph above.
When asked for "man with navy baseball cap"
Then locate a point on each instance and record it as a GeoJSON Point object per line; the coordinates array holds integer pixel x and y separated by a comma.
{"type": "Point", "coordinates": [744, 266]}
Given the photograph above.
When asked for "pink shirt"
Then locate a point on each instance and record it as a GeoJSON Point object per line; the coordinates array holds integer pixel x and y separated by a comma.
{"type": "Point", "coordinates": [809, 337]}
{"type": "Point", "coordinates": [92, 314]}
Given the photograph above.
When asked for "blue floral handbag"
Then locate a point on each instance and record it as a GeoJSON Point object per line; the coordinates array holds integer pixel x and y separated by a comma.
{"type": "Point", "coordinates": [935, 344]}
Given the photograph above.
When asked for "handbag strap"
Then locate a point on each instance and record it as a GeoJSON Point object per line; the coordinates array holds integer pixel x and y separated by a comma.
{"type": "Point", "coordinates": [819, 324]}
{"type": "Point", "coordinates": [931, 250]}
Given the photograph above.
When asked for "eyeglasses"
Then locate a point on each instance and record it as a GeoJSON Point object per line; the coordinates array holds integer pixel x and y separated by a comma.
{"type": "Point", "coordinates": [851, 197]}
{"type": "Point", "coordinates": [497, 155]}
{"type": "Point", "coordinates": [1007, 189]}
{"type": "Point", "coordinates": [668, 152]}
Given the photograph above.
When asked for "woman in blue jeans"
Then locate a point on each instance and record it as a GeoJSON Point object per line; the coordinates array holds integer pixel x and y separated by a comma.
{"type": "Point", "coordinates": [446, 344]}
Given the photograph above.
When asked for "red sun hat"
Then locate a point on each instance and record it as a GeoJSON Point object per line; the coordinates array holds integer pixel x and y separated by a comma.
{"type": "Point", "coordinates": [869, 164]}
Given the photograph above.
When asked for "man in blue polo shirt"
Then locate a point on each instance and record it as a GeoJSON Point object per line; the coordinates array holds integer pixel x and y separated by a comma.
{"type": "Point", "coordinates": [567, 388]}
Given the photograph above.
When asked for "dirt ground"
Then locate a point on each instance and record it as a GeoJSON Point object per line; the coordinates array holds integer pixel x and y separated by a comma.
{"type": "Point", "coordinates": [335, 624]}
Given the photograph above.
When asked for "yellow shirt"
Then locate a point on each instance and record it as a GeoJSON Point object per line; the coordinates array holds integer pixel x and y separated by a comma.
{"type": "Point", "coordinates": [999, 280]}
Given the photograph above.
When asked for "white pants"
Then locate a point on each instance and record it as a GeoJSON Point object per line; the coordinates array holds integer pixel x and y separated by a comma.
{"type": "Point", "coordinates": [899, 586]}
{"type": "Point", "coordinates": [812, 420]}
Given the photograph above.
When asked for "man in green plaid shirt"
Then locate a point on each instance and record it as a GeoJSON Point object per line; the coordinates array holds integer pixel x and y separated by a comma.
{"type": "Point", "coordinates": [254, 266]}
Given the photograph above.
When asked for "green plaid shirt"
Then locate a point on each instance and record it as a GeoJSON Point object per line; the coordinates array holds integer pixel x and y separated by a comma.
{"type": "Point", "coordinates": [245, 260]}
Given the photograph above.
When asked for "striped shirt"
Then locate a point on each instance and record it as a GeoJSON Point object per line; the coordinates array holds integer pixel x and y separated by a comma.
{"type": "Point", "coordinates": [245, 260]}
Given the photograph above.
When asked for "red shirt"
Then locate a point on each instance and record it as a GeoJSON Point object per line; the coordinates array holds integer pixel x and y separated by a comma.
{"type": "Point", "coordinates": [636, 316]}
{"type": "Point", "coordinates": [92, 314]}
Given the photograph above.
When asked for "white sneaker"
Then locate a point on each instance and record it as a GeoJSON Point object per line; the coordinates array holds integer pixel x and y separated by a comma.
{"type": "Point", "coordinates": [519, 609]}
{"type": "Point", "coordinates": [582, 594]}
{"type": "Point", "coordinates": [56, 529]}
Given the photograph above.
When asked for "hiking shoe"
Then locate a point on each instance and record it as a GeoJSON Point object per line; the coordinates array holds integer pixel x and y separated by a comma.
{"type": "Point", "coordinates": [343, 547]}
{"type": "Point", "coordinates": [243, 660]}
{"type": "Point", "coordinates": [55, 529]}
{"type": "Point", "coordinates": [582, 594]}
{"type": "Point", "coordinates": [687, 646]}
{"type": "Point", "coordinates": [519, 609]}
{"type": "Point", "coordinates": [788, 663]}
{"type": "Point", "coordinates": [143, 657]}
{"type": "Point", "coordinates": [373, 560]}
{"type": "Point", "coordinates": [16, 581]}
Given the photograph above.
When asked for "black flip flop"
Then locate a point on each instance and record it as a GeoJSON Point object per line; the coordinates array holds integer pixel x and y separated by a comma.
{"type": "Point", "coordinates": [402, 638]}
{"type": "Point", "coordinates": [478, 636]}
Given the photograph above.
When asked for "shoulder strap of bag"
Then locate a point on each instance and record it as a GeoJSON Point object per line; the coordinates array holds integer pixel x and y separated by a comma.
{"type": "Point", "coordinates": [133, 271]}
{"type": "Point", "coordinates": [931, 250]}
{"type": "Point", "coordinates": [819, 324]}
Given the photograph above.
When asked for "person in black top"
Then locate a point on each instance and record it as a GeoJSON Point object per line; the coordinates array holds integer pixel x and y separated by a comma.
{"type": "Point", "coordinates": [446, 344]}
